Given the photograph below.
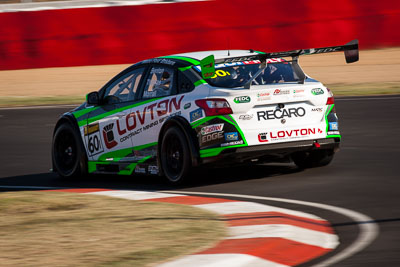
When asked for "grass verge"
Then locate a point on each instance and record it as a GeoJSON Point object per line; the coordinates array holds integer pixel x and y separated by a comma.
{"type": "Point", "coordinates": [64, 229]}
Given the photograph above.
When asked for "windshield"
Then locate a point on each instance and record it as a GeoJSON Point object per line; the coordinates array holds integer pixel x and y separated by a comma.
{"type": "Point", "coordinates": [237, 74]}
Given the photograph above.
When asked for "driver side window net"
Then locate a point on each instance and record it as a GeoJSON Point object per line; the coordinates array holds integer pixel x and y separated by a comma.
{"type": "Point", "coordinates": [124, 89]}
{"type": "Point", "coordinates": [159, 83]}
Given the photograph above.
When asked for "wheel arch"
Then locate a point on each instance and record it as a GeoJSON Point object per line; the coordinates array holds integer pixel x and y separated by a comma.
{"type": "Point", "coordinates": [190, 136]}
{"type": "Point", "coordinates": [67, 118]}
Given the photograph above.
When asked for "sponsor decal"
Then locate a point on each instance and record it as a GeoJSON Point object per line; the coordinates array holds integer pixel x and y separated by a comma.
{"type": "Point", "coordinates": [146, 117]}
{"type": "Point", "coordinates": [316, 109]}
{"type": "Point", "coordinates": [139, 169]}
{"type": "Point", "coordinates": [211, 137]}
{"type": "Point", "coordinates": [263, 137]}
{"type": "Point", "coordinates": [139, 117]}
{"type": "Point", "coordinates": [212, 128]}
{"type": "Point", "coordinates": [241, 99]}
{"type": "Point", "coordinates": [231, 136]}
{"type": "Point", "coordinates": [322, 50]}
{"type": "Point", "coordinates": [245, 117]}
{"type": "Point", "coordinates": [196, 114]}
{"type": "Point", "coordinates": [333, 133]}
{"type": "Point", "coordinates": [234, 143]}
{"type": "Point", "coordinates": [159, 60]}
{"type": "Point", "coordinates": [333, 126]}
{"type": "Point", "coordinates": [153, 169]}
{"type": "Point", "coordinates": [240, 59]}
{"type": "Point", "coordinates": [108, 135]}
{"type": "Point", "coordinates": [281, 113]}
{"type": "Point", "coordinates": [317, 91]}
{"type": "Point", "coordinates": [293, 134]}
{"type": "Point", "coordinates": [207, 65]}
{"type": "Point", "coordinates": [187, 105]}
{"type": "Point", "coordinates": [263, 96]}
{"type": "Point", "coordinates": [298, 91]}
{"type": "Point", "coordinates": [94, 144]}
{"type": "Point", "coordinates": [245, 62]}
{"type": "Point", "coordinates": [281, 92]}
{"type": "Point", "coordinates": [91, 129]}
{"type": "Point", "coordinates": [148, 126]}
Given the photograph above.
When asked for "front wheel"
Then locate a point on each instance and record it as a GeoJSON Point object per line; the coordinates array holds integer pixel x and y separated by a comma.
{"type": "Point", "coordinates": [315, 158]}
{"type": "Point", "coordinates": [175, 155]}
{"type": "Point", "coordinates": [69, 159]}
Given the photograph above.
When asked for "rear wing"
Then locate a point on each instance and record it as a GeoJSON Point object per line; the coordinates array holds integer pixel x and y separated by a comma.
{"type": "Point", "coordinates": [350, 52]}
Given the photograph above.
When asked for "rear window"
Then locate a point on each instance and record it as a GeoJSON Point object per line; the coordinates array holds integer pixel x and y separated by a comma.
{"type": "Point", "coordinates": [231, 75]}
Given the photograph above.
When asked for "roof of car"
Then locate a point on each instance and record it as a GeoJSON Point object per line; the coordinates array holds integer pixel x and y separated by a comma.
{"type": "Point", "coordinates": [218, 54]}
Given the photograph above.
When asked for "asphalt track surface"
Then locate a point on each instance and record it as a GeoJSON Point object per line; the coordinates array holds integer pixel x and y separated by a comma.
{"type": "Point", "coordinates": [363, 177]}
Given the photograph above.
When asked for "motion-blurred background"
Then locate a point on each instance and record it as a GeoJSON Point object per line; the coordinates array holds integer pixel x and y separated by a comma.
{"type": "Point", "coordinates": [57, 51]}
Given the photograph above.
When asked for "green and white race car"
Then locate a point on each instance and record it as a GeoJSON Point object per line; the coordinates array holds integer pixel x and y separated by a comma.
{"type": "Point", "coordinates": [168, 115]}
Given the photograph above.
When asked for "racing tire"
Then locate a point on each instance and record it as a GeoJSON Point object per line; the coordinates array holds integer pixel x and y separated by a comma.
{"type": "Point", "coordinates": [68, 155]}
{"type": "Point", "coordinates": [312, 159]}
{"type": "Point", "coordinates": [175, 155]}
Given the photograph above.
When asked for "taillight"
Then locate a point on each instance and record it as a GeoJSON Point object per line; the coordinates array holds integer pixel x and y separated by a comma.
{"type": "Point", "coordinates": [214, 106]}
{"type": "Point", "coordinates": [331, 99]}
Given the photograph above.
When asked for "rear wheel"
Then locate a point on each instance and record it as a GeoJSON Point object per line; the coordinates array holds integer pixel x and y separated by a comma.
{"type": "Point", "coordinates": [175, 155]}
{"type": "Point", "coordinates": [315, 158]}
{"type": "Point", "coordinates": [69, 159]}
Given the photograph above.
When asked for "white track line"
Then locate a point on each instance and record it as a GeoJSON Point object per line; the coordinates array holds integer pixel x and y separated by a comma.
{"type": "Point", "coordinates": [290, 232]}
{"type": "Point", "coordinates": [368, 231]}
{"type": "Point", "coordinates": [223, 259]}
{"type": "Point", "coordinates": [134, 195]}
{"type": "Point", "coordinates": [239, 207]}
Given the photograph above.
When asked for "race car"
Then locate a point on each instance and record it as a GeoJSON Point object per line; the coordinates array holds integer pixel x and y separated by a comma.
{"type": "Point", "coordinates": [169, 115]}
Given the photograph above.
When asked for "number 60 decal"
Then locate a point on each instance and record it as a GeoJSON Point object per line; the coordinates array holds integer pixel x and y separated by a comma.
{"type": "Point", "coordinates": [94, 144]}
{"type": "Point", "coordinates": [220, 73]}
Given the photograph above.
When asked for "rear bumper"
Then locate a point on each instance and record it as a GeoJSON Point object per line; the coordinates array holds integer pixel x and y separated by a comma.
{"type": "Point", "coordinates": [272, 152]}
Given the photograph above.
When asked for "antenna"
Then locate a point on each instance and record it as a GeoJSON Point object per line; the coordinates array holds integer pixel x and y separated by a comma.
{"type": "Point", "coordinates": [229, 53]}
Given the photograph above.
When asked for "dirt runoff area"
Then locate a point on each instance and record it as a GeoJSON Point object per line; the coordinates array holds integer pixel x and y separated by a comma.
{"type": "Point", "coordinates": [377, 72]}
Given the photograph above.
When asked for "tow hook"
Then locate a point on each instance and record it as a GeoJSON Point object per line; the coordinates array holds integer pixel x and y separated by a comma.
{"type": "Point", "coordinates": [316, 144]}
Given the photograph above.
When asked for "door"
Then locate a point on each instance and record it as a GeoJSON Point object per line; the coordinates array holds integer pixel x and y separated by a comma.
{"type": "Point", "coordinates": [108, 136]}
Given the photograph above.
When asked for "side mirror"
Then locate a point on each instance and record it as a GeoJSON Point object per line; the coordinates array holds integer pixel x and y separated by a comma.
{"type": "Point", "coordinates": [93, 98]}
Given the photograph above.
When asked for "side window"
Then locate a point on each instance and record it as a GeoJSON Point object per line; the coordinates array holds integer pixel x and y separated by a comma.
{"type": "Point", "coordinates": [124, 89]}
{"type": "Point", "coordinates": [160, 82]}
{"type": "Point", "coordinates": [184, 84]}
